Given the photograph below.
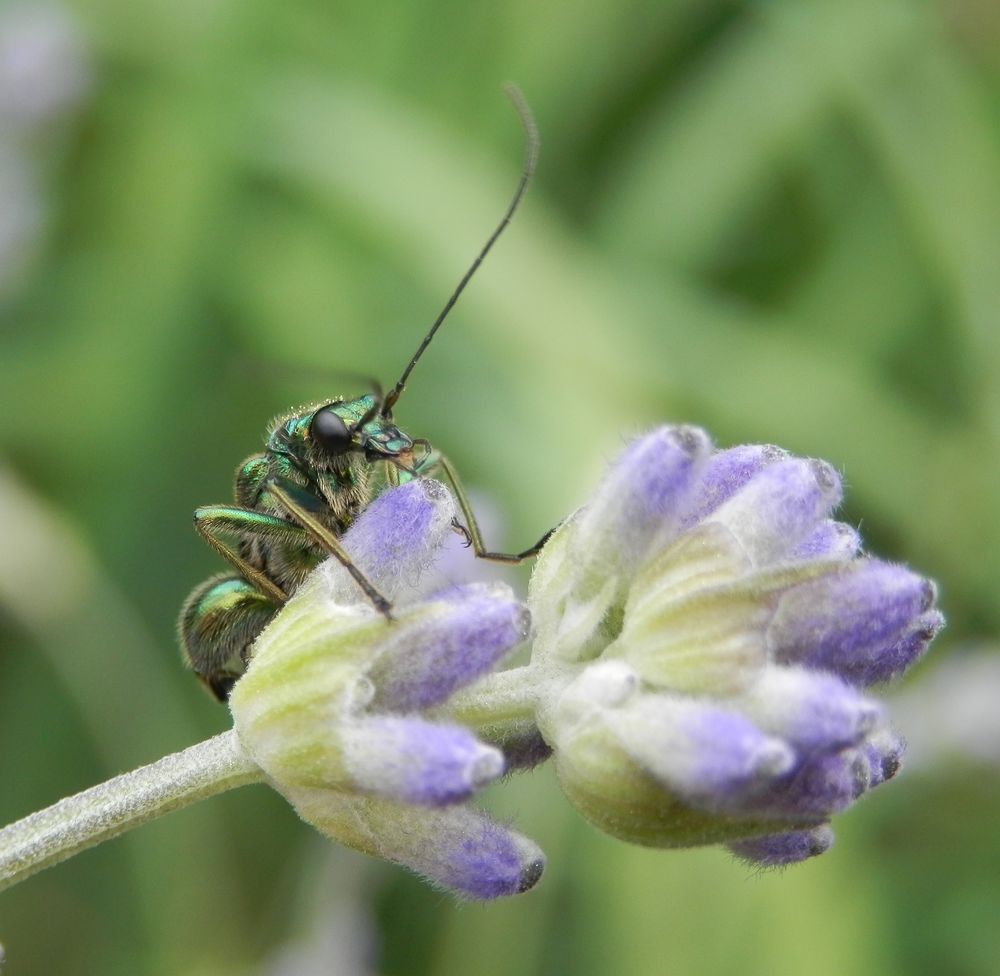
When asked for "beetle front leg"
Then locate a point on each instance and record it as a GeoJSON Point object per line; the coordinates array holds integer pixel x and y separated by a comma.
{"type": "Point", "coordinates": [294, 500]}
{"type": "Point", "coordinates": [471, 531]}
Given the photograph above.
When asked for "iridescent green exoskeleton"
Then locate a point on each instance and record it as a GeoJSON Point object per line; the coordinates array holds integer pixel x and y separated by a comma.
{"type": "Point", "coordinates": [321, 467]}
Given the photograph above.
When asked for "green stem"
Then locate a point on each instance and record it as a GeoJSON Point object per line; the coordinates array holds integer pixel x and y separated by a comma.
{"type": "Point", "coordinates": [504, 697]}
{"type": "Point", "coordinates": [72, 825]}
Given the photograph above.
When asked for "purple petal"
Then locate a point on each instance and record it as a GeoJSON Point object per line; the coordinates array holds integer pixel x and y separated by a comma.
{"type": "Point", "coordinates": [883, 756]}
{"type": "Point", "coordinates": [711, 756]}
{"type": "Point", "coordinates": [727, 472]}
{"type": "Point", "coordinates": [777, 850]}
{"type": "Point", "coordinates": [843, 622]}
{"type": "Point", "coordinates": [447, 644]}
{"type": "Point", "coordinates": [643, 494]}
{"type": "Point", "coordinates": [813, 710]}
{"type": "Point", "coordinates": [820, 786]}
{"type": "Point", "coordinates": [413, 761]}
{"type": "Point", "coordinates": [454, 847]}
{"type": "Point", "coordinates": [396, 537]}
{"type": "Point", "coordinates": [890, 662]}
{"type": "Point", "coordinates": [829, 540]}
{"type": "Point", "coordinates": [780, 508]}
{"type": "Point", "coordinates": [488, 861]}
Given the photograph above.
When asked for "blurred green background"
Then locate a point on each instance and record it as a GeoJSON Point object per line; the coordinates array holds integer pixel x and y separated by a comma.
{"type": "Point", "coordinates": [778, 220]}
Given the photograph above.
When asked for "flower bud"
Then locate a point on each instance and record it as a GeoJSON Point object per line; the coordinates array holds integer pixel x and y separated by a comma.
{"type": "Point", "coordinates": [454, 847]}
{"type": "Point", "coordinates": [779, 850]}
{"type": "Point", "coordinates": [710, 672]}
{"type": "Point", "coordinates": [331, 705]}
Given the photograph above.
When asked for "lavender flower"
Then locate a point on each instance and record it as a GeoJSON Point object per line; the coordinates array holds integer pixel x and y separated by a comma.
{"type": "Point", "coordinates": [708, 632]}
{"type": "Point", "coordinates": [704, 635]}
{"type": "Point", "coordinates": [704, 632]}
{"type": "Point", "coordinates": [334, 706]}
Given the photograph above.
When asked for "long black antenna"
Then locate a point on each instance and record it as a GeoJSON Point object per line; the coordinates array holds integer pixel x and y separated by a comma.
{"type": "Point", "coordinates": [530, 158]}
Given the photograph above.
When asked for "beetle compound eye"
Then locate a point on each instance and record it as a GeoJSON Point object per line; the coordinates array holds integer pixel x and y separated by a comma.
{"type": "Point", "coordinates": [330, 432]}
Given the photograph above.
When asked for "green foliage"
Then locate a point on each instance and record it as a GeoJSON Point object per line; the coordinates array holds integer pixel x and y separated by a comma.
{"type": "Point", "coordinates": [777, 220]}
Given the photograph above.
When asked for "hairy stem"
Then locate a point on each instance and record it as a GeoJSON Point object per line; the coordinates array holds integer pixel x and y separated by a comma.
{"type": "Point", "coordinates": [503, 697]}
{"type": "Point", "coordinates": [72, 825]}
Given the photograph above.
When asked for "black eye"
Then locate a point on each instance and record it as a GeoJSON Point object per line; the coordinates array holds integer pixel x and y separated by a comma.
{"type": "Point", "coordinates": [330, 432]}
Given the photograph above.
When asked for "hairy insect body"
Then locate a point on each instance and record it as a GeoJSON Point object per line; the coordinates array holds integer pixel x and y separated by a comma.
{"type": "Point", "coordinates": [218, 623]}
{"type": "Point", "coordinates": [321, 467]}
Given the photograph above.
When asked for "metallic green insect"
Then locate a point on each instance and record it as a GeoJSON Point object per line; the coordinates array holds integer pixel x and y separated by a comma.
{"type": "Point", "coordinates": [321, 467]}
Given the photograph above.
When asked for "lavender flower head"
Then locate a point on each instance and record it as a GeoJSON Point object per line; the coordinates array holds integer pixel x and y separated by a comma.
{"type": "Point", "coordinates": [708, 634]}
{"type": "Point", "coordinates": [337, 704]}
